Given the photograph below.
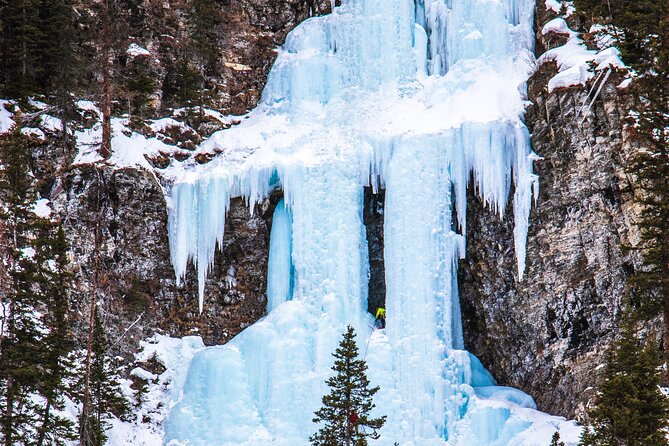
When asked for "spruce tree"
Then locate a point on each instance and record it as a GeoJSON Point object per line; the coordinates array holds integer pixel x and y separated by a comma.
{"type": "Point", "coordinates": [346, 409]}
{"type": "Point", "coordinates": [630, 410]}
{"type": "Point", "coordinates": [57, 345]}
{"type": "Point", "coordinates": [103, 392]}
{"type": "Point", "coordinates": [555, 440]}
{"type": "Point", "coordinates": [20, 340]}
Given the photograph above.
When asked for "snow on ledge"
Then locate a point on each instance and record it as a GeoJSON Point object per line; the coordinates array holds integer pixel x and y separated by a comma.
{"type": "Point", "coordinates": [556, 6]}
{"type": "Point", "coordinates": [558, 26]}
{"type": "Point", "coordinates": [41, 208]}
{"type": "Point", "coordinates": [574, 58]}
{"type": "Point", "coordinates": [135, 50]}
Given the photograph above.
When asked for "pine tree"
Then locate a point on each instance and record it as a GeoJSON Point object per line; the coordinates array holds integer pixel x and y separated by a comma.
{"type": "Point", "coordinates": [630, 410]}
{"type": "Point", "coordinates": [345, 411]}
{"type": "Point", "coordinates": [20, 340]}
{"type": "Point", "coordinates": [104, 395]}
{"type": "Point", "coordinates": [57, 345]}
{"type": "Point", "coordinates": [555, 440]}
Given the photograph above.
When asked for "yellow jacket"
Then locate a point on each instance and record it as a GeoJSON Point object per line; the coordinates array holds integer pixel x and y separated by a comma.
{"type": "Point", "coordinates": [381, 313]}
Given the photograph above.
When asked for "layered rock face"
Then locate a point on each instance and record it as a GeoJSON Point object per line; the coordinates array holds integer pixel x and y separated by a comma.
{"type": "Point", "coordinates": [548, 333]}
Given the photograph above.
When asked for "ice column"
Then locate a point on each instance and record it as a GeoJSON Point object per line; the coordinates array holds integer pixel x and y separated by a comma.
{"type": "Point", "coordinates": [420, 254]}
{"type": "Point", "coordinates": [280, 272]}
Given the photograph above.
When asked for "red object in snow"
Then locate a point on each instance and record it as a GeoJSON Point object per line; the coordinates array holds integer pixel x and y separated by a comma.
{"type": "Point", "coordinates": [353, 417]}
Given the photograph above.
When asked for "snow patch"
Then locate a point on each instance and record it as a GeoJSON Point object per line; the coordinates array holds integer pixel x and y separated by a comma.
{"type": "Point", "coordinates": [42, 208]}
{"type": "Point", "coordinates": [559, 26]}
{"type": "Point", "coordinates": [34, 133]}
{"type": "Point", "coordinates": [51, 123]}
{"type": "Point", "coordinates": [6, 121]}
{"type": "Point", "coordinates": [135, 50]}
{"type": "Point", "coordinates": [574, 59]}
{"type": "Point", "coordinates": [145, 429]}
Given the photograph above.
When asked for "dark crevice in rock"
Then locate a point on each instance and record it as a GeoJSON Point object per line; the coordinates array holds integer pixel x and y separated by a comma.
{"type": "Point", "coordinates": [373, 219]}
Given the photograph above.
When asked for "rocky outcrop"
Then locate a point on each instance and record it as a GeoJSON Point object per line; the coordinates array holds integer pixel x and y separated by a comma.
{"type": "Point", "coordinates": [548, 334]}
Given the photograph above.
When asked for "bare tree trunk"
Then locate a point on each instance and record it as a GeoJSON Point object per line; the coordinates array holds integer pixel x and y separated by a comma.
{"type": "Point", "coordinates": [85, 425]}
{"type": "Point", "coordinates": [105, 148]}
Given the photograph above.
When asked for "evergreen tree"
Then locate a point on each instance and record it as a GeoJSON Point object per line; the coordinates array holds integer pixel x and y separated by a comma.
{"type": "Point", "coordinates": [345, 411]}
{"type": "Point", "coordinates": [630, 410]}
{"type": "Point", "coordinates": [641, 31]}
{"type": "Point", "coordinates": [57, 345]}
{"type": "Point", "coordinates": [204, 17]}
{"type": "Point", "coordinates": [35, 338]}
{"type": "Point", "coordinates": [555, 440]}
{"type": "Point", "coordinates": [140, 86]}
{"type": "Point", "coordinates": [20, 347]}
{"type": "Point", "coordinates": [181, 84]}
{"type": "Point", "coordinates": [103, 396]}
{"type": "Point", "coordinates": [58, 61]}
{"type": "Point", "coordinates": [20, 37]}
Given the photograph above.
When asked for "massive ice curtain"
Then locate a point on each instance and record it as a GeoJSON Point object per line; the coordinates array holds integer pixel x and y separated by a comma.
{"type": "Point", "coordinates": [416, 97]}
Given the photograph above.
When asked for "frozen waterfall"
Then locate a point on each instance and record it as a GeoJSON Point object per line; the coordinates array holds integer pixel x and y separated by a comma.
{"type": "Point", "coordinates": [412, 96]}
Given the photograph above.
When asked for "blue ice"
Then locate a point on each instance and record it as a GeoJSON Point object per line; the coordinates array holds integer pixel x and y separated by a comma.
{"type": "Point", "coordinates": [416, 97]}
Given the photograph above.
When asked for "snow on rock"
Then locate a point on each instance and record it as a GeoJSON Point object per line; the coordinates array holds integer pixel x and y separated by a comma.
{"type": "Point", "coordinates": [135, 50]}
{"type": "Point", "coordinates": [556, 6]}
{"type": "Point", "coordinates": [51, 123]}
{"type": "Point", "coordinates": [42, 208]}
{"type": "Point", "coordinates": [6, 121]}
{"type": "Point", "coordinates": [553, 5]}
{"type": "Point", "coordinates": [159, 125]}
{"type": "Point", "coordinates": [88, 106]}
{"type": "Point", "coordinates": [574, 59]}
{"type": "Point", "coordinates": [162, 390]}
{"type": "Point", "coordinates": [559, 26]}
{"type": "Point", "coordinates": [34, 133]}
{"type": "Point", "coordinates": [624, 84]}
{"type": "Point", "coordinates": [28, 252]}
{"type": "Point", "coordinates": [129, 148]}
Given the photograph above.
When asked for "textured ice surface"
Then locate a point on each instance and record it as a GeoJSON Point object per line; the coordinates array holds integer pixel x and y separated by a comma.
{"type": "Point", "coordinates": [417, 98]}
{"type": "Point", "coordinates": [280, 273]}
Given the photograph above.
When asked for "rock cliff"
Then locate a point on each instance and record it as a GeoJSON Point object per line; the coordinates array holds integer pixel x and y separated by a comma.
{"type": "Point", "coordinates": [548, 333]}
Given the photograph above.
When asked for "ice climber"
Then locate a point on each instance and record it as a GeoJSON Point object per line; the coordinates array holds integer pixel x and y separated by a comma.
{"type": "Point", "coordinates": [380, 321]}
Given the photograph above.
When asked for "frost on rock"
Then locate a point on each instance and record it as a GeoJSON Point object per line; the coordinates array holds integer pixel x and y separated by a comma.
{"type": "Point", "coordinates": [413, 97]}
